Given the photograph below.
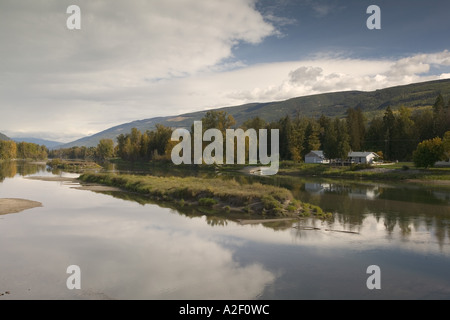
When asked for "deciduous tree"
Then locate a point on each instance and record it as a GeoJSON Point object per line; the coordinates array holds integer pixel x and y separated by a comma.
{"type": "Point", "coordinates": [428, 152]}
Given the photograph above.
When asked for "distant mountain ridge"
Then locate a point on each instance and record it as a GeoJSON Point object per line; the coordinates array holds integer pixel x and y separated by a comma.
{"type": "Point", "coordinates": [48, 143]}
{"type": "Point", "coordinates": [329, 104]}
{"type": "Point", "coordinates": [4, 137]}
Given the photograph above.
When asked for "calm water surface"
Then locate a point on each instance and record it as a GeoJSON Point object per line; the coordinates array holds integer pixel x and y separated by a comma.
{"type": "Point", "coordinates": [129, 249]}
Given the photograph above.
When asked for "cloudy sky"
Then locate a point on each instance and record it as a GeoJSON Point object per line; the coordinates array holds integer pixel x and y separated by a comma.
{"type": "Point", "coordinates": [140, 59]}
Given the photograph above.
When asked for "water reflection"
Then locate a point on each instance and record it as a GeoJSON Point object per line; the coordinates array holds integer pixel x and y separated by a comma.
{"type": "Point", "coordinates": [9, 169]}
{"type": "Point", "coordinates": [354, 192]}
{"type": "Point", "coordinates": [403, 208]}
{"type": "Point", "coordinates": [130, 247]}
{"type": "Point", "coordinates": [350, 214]}
{"type": "Point", "coordinates": [125, 250]}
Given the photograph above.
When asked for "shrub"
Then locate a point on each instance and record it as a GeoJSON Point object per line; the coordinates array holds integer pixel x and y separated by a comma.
{"type": "Point", "coordinates": [317, 210]}
{"type": "Point", "coordinates": [291, 208]}
{"type": "Point", "coordinates": [207, 202]}
{"type": "Point", "coordinates": [361, 166]}
{"type": "Point", "coordinates": [55, 163]}
{"type": "Point", "coordinates": [270, 203]}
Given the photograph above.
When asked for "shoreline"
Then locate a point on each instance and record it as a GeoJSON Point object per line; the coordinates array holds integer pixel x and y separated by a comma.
{"type": "Point", "coordinates": [211, 195]}
{"type": "Point", "coordinates": [437, 175]}
{"type": "Point", "coordinates": [395, 172]}
{"type": "Point", "coordinates": [15, 205]}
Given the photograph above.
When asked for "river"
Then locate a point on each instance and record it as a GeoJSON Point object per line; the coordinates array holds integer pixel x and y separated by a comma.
{"type": "Point", "coordinates": [128, 248]}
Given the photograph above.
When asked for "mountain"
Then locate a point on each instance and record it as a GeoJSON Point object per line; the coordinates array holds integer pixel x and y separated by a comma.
{"type": "Point", "coordinates": [3, 137]}
{"type": "Point", "coordinates": [330, 104]}
{"type": "Point", "coordinates": [48, 143]}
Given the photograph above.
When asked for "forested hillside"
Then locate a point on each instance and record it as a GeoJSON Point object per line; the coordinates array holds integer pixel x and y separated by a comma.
{"type": "Point", "coordinates": [372, 104]}
{"type": "Point", "coordinates": [394, 135]}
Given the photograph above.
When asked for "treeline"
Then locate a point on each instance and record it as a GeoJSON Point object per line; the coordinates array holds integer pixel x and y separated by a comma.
{"type": "Point", "coordinates": [81, 153]}
{"type": "Point", "coordinates": [22, 150]}
{"type": "Point", "coordinates": [394, 136]}
{"type": "Point", "coordinates": [150, 145]}
{"type": "Point", "coordinates": [103, 151]}
{"type": "Point", "coordinates": [133, 146]}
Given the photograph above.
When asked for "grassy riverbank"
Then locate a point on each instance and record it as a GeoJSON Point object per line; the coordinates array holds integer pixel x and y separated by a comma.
{"type": "Point", "coordinates": [73, 165]}
{"type": "Point", "coordinates": [392, 172]}
{"type": "Point", "coordinates": [402, 171]}
{"type": "Point", "coordinates": [211, 194]}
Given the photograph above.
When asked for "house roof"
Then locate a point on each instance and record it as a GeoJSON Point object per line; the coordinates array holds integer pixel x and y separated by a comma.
{"type": "Point", "coordinates": [360, 154]}
{"type": "Point", "coordinates": [352, 154]}
{"type": "Point", "coordinates": [316, 153]}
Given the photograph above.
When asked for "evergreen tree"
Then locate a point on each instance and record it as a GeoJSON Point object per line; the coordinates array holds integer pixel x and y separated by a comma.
{"type": "Point", "coordinates": [312, 138]}
{"type": "Point", "coordinates": [424, 124]}
{"type": "Point", "coordinates": [356, 128]}
{"type": "Point", "coordinates": [285, 127]}
{"type": "Point", "coordinates": [374, 138]}
{"type": "Point", "coordinates": [343, 140]}
{"type": "Point", "coordinates": [324, 122]}
{"type": "Point", "coordinates": [440, 117]}
{"type": "Point", "coordinates": [330, 142]}
{"type": "Point", "coordinates": [447, 117]}
{"type": "Point", "coordinates": [404, 138]}
{"type": "Point", "coordinates": [297, 139]}
{"type": "Point", "coordinates": [389, 132]}
{"type": "Point", "coordinates": [438, 105]}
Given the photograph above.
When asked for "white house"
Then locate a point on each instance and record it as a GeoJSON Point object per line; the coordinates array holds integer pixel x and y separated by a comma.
{"type": "Point", "coordinates": [353, 157]}
{"type": "Point", "coordinates": [362, 157]}
{"type": "Point", "coordinates": [316, 157]}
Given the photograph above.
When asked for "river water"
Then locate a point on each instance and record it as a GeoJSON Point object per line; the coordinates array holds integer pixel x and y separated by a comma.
{"type": "Point", "coordinates": [128, 248]}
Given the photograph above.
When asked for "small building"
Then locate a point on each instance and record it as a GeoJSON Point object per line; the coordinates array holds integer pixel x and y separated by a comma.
{"type": "Point", "coordinates": [316, 157]}
{"type": "Point", "coordinates": [362, 157]}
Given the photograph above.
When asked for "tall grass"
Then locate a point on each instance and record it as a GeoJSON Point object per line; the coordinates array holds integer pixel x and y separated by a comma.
{"type": "Point", "coordinates": [192, 188]}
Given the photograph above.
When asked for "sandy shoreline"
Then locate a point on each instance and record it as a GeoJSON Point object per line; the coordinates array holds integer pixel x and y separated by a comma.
{"type": "Point", "coordinates": [86, 186]}
{"type": "Point", "coordinates": [257, 221]}
{"type": "Point", "coordinates": [430, 182]}
{"type": "Point", "coordinates": [17, 205]}
{"type": "Point", "coordinates": [50, 178]}
{"type": "Point", "coordinates": [98, 188]}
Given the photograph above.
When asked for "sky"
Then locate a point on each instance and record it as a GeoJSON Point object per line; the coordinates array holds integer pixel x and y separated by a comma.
{"type": "Point", "coordinates": [137, 59]}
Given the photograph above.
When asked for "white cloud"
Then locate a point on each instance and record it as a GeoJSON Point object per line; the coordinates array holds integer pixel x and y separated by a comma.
{"type": "Point", "coordinates": [338, 74]}
{"type": "Point", "coordinates": [141, 59]}
{"type": "Point", "coordinates": [99, 109]}
{"type": "Point", "coordinates": [122, 47]}
{"type": "Point", "coordinates": [304, 75]}
{"type": "Point", "coordinates": [153, 38]}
